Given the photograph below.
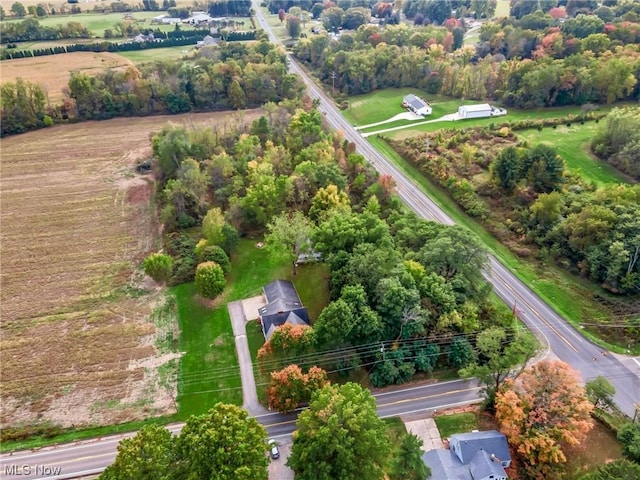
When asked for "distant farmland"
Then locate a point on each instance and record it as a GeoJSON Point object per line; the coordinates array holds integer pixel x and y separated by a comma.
{"type": "Point", "coordinates": [52, 72]}
{"type": "Point", "coordinates": [77, 344]}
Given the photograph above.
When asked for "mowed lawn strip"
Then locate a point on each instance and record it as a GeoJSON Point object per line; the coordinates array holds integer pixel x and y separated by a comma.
{"type": "Point", "coordinates": [456, 423]}
{"type": "Point", "coordinates": [209, 372]}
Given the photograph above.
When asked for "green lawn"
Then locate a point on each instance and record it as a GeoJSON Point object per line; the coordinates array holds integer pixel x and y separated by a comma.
{"type": "Point", "coordinates": [153, 54]}
{"type": "Point", "coordinates": [569, 295]}
{"type": "Point", "coordinates": [209, 372]}
{"type": "Point", "coordinates": [572, 144]}
{"type": "Point", "coordinates": [456, 423]}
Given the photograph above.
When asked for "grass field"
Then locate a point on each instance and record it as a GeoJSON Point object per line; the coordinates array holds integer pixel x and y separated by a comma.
{"type": "Point", "coordinates": [153, 54]}
{"type": "Point", "coordinates": [53, 74]}
{"type": "Point", "coordinates": [384, 104]}
{"type": "Point", "coordinates": [77, 340]}
{"type": "Point", "coordinates": [209, 372]}
{"type": "Point", "coordinates": [573, 144]}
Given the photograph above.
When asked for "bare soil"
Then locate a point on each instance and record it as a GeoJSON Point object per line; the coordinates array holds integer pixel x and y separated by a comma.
{"type": "Point", "coordinates": [77, 346]}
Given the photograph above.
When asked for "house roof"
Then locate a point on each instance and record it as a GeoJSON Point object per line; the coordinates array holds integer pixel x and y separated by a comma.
{"type": "Point", "coordinates": [482, 466]}
{"type": "Point", "coordinates": [491, 441]}
{"type": "Point", "coordinates": [281, 289]}
{"type": "Point", "coordinates": [482, 107]}
{"type": "Point", "coordinates": [445, 465]}
{"type": "Point", "coordinates": [416, 102]}
{"type": "Point", "coordinates": [283, 306]}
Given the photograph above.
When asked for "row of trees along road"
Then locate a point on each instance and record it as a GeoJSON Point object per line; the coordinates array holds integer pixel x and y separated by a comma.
{"type": "Point", "coordinates": [234, 76]}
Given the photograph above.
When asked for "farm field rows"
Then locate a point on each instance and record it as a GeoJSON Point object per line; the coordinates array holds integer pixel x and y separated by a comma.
{"type": "Point", "coordinates": [77, 342]}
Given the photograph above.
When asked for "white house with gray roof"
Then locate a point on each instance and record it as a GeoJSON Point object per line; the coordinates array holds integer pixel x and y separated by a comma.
{"type": "Point", "coordinates": [416, 105]}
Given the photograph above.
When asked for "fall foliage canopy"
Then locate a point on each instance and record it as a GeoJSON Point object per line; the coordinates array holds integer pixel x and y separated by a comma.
{"type": "Point", "coordinates": [545, 409]}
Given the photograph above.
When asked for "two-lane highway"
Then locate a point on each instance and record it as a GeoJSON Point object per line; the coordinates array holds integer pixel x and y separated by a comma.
{"type": "Point", "coordinates": [92, 456]}
{"type": "Point", "coordinates": [557, 335]}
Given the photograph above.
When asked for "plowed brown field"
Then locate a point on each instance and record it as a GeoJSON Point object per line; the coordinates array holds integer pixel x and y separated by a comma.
{"type": "Point", "coordinates": [77, 346]}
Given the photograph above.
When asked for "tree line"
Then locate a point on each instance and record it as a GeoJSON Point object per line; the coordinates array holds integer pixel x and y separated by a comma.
{"type": "Point", "coordinates": [233, 76]}
{"type": "Point", "coordinates": [532, 204]}
{"type": "Point", "coordinates": [542, 68]}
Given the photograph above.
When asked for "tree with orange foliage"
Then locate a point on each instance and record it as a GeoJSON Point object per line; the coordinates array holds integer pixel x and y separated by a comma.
{"type": "Point", "coordinates": [290, 387]}
{"type": "Point", "coordinates": [287, 342]}
{"type": "Point", "coordinates": [541, 412]}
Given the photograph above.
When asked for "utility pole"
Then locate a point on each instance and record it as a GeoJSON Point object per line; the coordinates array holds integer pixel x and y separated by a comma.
{"type": "Point", "coordinates": [384, 358]}
{"type": "Point", "coordinates": [333, 83]}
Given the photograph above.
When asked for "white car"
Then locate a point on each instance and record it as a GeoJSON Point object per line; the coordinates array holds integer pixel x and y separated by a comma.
{"type": "Point", "coordinates": [273, 450]}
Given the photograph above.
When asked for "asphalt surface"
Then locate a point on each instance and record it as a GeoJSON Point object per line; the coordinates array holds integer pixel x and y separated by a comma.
{"type": "Point", "coordinates": [559, 338]}
{"type": "Point", "coordinates": [92, 456]}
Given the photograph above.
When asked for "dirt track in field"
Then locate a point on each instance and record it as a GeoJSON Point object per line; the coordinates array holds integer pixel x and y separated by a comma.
{"type": "Point", "coordinates": [76, 220]}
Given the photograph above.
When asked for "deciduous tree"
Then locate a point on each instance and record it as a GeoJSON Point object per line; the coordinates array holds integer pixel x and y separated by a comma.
{"type": "Point", "coordinates": [289, 235]}
{"type": "Point", "coordinates": [290, 387]}
{"type": "Point", "coordinates": [629, 438]}
{"type": "Point", "coordinates": [499, 358]}
{"type": "Point", "coordinates": [600, 392]}
{"type": "Point", "coordinates": [339, 436]}
{"type": "Point", "coordinates": [543, 410]}
{"type": "Point", "coordinates": [223, 444]}
{"type": "Point", "coordinates": [147, 456]}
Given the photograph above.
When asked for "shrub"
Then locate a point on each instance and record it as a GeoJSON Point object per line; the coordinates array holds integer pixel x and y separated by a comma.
{"type": "Point", "coordinates": [158, 266]}
{"type": "Point", "coordinates": [210, 280]}
{"type": "Point", "coordinates": [214, 253]}
{"type": "Point", "coordinates": [47, 121]}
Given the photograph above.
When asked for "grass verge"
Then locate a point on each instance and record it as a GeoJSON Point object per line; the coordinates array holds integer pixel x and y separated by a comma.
{"type": "Point", "coordinates": [456, 423]}
{"type": "Point", "coordinates": [73, 435]}
{"type": "Point", "coordinates": [568, 295]}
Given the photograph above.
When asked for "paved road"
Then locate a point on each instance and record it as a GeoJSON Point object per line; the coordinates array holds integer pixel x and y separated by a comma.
{"type": "Point", "coordinates": [92, 456]}
{"type": "Point", "coordinates": [557, 335]}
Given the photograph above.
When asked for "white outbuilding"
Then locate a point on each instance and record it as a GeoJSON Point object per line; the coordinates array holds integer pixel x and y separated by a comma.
{"type": "Point", "coordinates": [475, 111]}
{"type": "Point", "coordinates": [416, 105]}
{"type": "Point", "coordinates": [482, 110]}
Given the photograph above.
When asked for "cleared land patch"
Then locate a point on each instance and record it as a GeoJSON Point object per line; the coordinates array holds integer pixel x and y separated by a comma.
{"type": "Point", "coordinates": [52, 72]}
{"type": "Point", "coordinates": [77, 340]}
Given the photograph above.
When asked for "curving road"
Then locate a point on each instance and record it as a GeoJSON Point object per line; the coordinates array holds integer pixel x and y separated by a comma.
{"type": "Point", "coordinates": [92, 456]}
{"type": "Point", "coordinates": [560, 339]}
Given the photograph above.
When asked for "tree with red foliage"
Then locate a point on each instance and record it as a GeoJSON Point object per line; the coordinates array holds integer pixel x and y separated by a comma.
{"type": "Point", "coordinates": [282, 15]}
{"type": "Point", "coordinates": [541, 412]}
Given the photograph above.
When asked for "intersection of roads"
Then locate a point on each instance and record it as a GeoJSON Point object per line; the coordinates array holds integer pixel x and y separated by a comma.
{"type": "Point", "coordinates": [560, 340]}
